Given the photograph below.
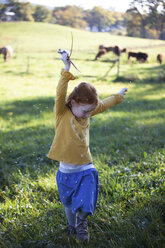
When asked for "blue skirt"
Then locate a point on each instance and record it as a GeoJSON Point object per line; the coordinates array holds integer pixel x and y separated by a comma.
{"type": "Point", "coordinates": [79, 190]}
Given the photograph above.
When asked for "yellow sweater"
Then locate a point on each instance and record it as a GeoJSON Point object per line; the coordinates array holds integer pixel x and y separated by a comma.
{"type": "Point", "coordinates": [71, 141]}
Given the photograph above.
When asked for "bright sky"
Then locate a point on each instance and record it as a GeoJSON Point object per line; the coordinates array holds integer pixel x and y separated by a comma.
{"type": "Point", "coordinates": [118, 5]}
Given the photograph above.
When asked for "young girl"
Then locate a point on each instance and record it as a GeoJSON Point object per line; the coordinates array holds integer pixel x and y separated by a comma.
{"type": "Point", "coordinates": [77, 178]}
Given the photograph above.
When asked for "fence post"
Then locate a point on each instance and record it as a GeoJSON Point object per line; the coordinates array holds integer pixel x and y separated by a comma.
{"type": "Point", "coordinates": [118, 67]}
{"type": "Point", "coordinates": [28, 65]}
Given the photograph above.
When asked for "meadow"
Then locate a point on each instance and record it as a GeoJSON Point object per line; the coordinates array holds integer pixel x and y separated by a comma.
{"type": "Point", "coordinates": [127, 142]}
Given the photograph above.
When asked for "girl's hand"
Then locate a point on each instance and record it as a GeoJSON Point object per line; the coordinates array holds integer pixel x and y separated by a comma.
{"type": "Point", "coordinates": [123, 91]}
{"type": "Point", "coordinates": [65, 58]}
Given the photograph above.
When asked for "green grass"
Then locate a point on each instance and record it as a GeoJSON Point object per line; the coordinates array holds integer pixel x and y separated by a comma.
{"type": "Point", "coordinates": [127, 142]}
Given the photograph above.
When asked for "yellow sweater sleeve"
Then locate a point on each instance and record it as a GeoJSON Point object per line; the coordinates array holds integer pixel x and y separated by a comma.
{"type": "Point", "coordinates": [107, 103]}
{"type": "Point", "coordinates": [61, 91]}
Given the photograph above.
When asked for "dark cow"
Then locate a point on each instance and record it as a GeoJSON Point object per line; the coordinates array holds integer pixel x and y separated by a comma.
{"type": "Point", "coordinates": [103, 50]}
{"type": "Point", "coordinates": [132, 54]}
{"type": "Point", "coordinates": [141, 57]}
{"type": "Point", "coordinates": [159, 58]}
{"type": "Point", "coordinates": [7, 52]}
{"type": "Point", "coordinates": [124, 50]}
{"type": "Point", "coordinates": [116, 50]}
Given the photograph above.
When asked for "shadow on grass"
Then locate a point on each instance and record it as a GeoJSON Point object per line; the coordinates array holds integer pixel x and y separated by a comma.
{"type": "Point", "coordinates": [34, 108]}
{"type": "Point", "coordinates": [89, 76]}
{"type": "Point", "coordinates": [120, 138]}
{"type": "Point", "coordinates": [27, 147]}
{"type": "Point", "coordinates": [116, 139]}
{"type": "Point", "coordinates": [22, 73]}
{"type": "Point", "coordinates": [155, 75]}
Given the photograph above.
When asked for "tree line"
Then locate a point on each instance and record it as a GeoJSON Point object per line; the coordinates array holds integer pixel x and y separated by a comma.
{"type": "Point", "coordinates": [144, 18]}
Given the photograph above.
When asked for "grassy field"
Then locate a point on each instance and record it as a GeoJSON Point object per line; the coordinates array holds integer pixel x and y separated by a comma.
{"type": "Point", "coordinates": [127, 142]}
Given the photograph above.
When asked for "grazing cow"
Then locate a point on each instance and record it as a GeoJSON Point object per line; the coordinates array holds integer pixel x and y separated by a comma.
{"type": "Point", "coordinates": [132, 54]}
{"type": "Point", "coordinates": [7, 52]}
{"type": "Point", "coordinates": [141, 57]}
{"type": "Point", "coordinates": [103, 50]}
{"type": "Point", "coordinates": [124, 50]}
{"type": "Point", "coordinates": [160, 58]}
{"type": "Point", "coordinates": [116, 50]}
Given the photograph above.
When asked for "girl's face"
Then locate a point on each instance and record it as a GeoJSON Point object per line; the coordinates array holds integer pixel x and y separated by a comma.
{"type": "Point", "coordinates": [82, 110]}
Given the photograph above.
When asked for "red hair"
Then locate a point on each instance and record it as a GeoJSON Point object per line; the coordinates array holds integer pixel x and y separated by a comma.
{"type": "Point", "coordinates": [84, 93]}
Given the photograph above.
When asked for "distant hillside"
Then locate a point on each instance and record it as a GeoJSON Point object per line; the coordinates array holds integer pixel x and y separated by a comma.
{"type": "Point", "coordinates": [44, 37]}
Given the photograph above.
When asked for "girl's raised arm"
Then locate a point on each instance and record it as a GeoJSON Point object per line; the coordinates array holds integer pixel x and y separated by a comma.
{"type": "Point", "coordinates": [109, 102]}
{"type": "Point", "coordinates": [62, 86]}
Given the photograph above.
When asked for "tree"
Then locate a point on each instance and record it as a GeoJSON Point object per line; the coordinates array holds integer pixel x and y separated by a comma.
{"type": "Point", "coordinates": [23, 10]}
{"type": "Point", "coordinates": [152, 18]}
{"type": "Point", "coordinates": [41, 14]}
{"type": "Point", "coordinates": [136, 23]}
{"type": "Point", "coordinates": [3, 9]}
{"type": "Point", "coordinates": [103, 19]}
{"type": "Point", "coordinates": [97, 17]}
{"type": "Point", "coordinates": [157, 17]}
{"type": "Point", "coordinates": [70, 16]}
